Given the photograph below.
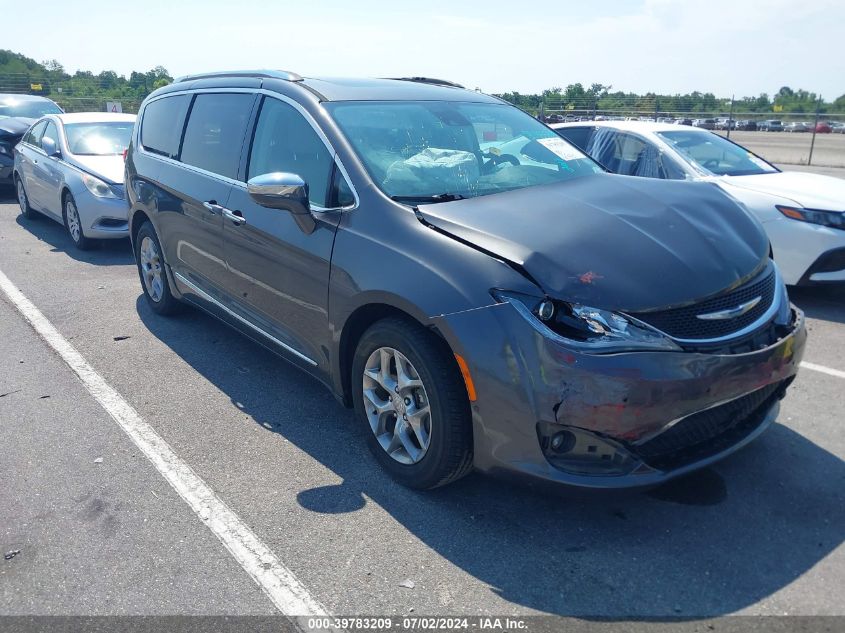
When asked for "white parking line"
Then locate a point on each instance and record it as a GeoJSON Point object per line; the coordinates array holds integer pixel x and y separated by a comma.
{"type": "Point", "coordinates": [279, 583]}
{"type": "Point", "coordinates": [821, 368]}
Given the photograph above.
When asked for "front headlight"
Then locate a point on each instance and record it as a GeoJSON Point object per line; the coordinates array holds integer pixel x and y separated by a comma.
{"type": "Point", "coordinates": [97, 187]}
{"type": "Point", "coordinates": [591, 330]}
{"type": "Point", "coordinates": [833, 219]}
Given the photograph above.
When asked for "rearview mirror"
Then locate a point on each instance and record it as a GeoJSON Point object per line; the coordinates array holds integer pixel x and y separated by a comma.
{"type": "Point", "coordinates": [280, 190]}
{"type": "Point", "coordinates": [50, 148]}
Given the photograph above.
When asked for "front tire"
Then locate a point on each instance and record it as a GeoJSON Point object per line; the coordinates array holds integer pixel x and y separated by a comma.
{"type": "Point", "coordinates": [73, 224]}
{"type": "Point", "coordinates": [151, 270]}
{"type": "Point", "coordinates": [410, 397]}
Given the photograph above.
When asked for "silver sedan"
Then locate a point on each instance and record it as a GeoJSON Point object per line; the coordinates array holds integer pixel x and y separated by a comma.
{"type": "Point", "coordinates": [70, 168]}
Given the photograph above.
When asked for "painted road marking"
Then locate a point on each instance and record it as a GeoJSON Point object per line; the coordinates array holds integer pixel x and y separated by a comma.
{"type": "Point", "coordinates": [280, 584]}
{"type": "Point", "coordinates": [825, 370]}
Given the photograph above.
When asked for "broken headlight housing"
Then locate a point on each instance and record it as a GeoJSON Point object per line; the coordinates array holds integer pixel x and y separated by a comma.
{"type": "Point", "coordinates": [591, 330]}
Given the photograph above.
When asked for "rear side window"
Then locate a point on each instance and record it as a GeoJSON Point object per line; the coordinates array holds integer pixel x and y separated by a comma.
{"type": "Point", "coordinates": [215, 132]}
{"type": "Point", "coordinates": [161, 127]}
{"type": "Point", "coordinates": [578, 136]}
{"type": "Point", "coordinates": [285, 141]}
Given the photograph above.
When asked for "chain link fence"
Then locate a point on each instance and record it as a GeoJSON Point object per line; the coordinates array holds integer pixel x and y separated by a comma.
{"type": "Point", "coordinates": [814, 136]}
{"type": "Point", "coordinates": [84, 93]}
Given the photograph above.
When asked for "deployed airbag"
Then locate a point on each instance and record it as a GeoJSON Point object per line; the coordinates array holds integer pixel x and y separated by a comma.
{"type": "Point", "coordinates": [434, 171]}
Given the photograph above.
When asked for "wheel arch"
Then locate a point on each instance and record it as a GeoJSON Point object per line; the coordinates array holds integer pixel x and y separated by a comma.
{"type": "Point", "coordinates": [136, 222]}
{"type": "Point", "coordinates": [358, 321]}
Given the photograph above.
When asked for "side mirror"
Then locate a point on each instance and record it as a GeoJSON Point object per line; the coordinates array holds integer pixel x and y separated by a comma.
{"type": "Point", "coordinates": [288, 192]}
{"type": "Point", "coordinates": [280, 190]}
{"type": "Point", "coordinates": [50, 148]}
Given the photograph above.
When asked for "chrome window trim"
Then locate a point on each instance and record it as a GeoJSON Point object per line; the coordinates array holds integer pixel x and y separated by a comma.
{"type": "Point", "coordinates": [246, 322]}
{"type": "Point", "coordinates": [239, 183]}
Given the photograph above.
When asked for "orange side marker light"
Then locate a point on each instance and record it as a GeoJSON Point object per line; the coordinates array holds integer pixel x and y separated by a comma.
{"type": "Point", "coordinates": [462, 364]}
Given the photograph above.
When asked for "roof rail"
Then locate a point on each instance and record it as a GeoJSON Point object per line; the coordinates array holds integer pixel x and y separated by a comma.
{"type": "Point", "coordinates": [269, 74]}
{"type": "Point", "coordinates": [429, 80]}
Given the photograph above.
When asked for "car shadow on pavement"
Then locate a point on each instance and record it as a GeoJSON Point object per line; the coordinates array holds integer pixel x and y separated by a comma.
{"type": "Point", "coordinates": [710, 544]}
{"type": "Point", "coordinates": [104, 252]}
{"type": "Point", "coordinates": [820, 302]}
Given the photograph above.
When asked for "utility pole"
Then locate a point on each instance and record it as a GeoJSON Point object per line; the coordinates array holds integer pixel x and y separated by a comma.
{"type": "Point", "coordinates": [815, 125]}
{"type": "Point", "coordinates": [731, 116]}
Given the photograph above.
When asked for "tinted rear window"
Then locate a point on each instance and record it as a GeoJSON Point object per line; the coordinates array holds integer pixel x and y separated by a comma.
{"type": "Point", "coordinates": [578, 136]}
{"type": "Point", "coordinates": [161, 128]}
{"type": "Point", "coordinates": [215, 132]}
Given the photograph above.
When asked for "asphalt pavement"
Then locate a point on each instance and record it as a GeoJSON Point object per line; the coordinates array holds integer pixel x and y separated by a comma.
{"type": "Point", "coordinates": [99, 530]}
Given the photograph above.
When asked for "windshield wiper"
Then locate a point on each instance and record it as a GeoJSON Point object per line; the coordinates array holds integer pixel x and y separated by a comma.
{"type": "Point", "coordinates": [440, 197]}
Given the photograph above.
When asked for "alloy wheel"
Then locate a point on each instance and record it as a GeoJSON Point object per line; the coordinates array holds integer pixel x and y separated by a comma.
{"type": "Point", "coordinates": [22, 201]}
{"type": "Point", "coordinates": [397, 405]}
{"type": "Point", "coordinates": [74, 226]}
{"type": "Point", "coordinates": [151, 270]}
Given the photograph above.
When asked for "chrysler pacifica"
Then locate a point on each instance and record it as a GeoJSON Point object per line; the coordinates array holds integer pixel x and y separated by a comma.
{"type": "Point", "coordinates": [480, 291]}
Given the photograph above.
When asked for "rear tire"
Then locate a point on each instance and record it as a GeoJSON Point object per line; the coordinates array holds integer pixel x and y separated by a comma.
{"type": "Point", "coordinates": [152, 272]}
{"type": "Point", "coordinates": [416, 412]}
{"type": "Point", "coordinates": [73, 224]}
{"type": "Point", "coordinates": [23, 200]}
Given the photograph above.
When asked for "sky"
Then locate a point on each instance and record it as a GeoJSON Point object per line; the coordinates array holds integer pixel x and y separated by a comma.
{"type": "Point", "coordinates": [727, 47]}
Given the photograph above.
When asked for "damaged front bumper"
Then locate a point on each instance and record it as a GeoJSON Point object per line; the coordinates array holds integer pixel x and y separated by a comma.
{"type": "Point", "coordinates": [611, 420]}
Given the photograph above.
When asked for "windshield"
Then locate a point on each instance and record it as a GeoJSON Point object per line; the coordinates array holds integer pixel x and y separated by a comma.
{"type": "Point", "coordinates": [98, 139]}
{"type": "Point", "coordinates": [28, 109]}
{"type": "Point", "coordinates": [440, 150]}
{"type": "Point", "coordinates": [714, 154]}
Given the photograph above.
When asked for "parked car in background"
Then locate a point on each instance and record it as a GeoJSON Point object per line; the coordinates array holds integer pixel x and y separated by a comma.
{"type": "Point", "coordinates": [823, 127]}
{"type": "Point", "coordinates": [746, 125]}
{"type": "Point", "coordinates": [796, 126]}
{"type": "Point", "coordinates": [770, 125]}
{"type": "Point", "coordinates": [683, 121]}
{"type": "Point", "coordinates": [725, 124]}
{"type": "Point", "coordinates": [70, 168]}
{"type": "Point", "coordinates": [17, 113]}
{"type": "Point", "coordinates": [477, 288]}
{"type": "Point", "coordinates": [705, 124]}
{"type": "Point", "coordinates": [802, 213]}
{"type": "Point", "coordinates": [837, 127]}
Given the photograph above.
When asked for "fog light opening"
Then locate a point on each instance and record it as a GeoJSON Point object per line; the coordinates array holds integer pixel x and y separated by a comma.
{"type": "Point", "coordinates": [582, 452]}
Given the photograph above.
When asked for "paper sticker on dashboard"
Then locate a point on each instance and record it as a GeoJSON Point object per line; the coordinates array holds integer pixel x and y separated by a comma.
{"type": "Point", "coordinates": [561, 148]}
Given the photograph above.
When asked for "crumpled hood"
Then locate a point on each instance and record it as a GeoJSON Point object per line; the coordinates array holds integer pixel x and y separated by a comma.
{"type": "Point", "coordinates": [614, 242]}
{"type": "Point", "coordinates": [14, 126]}
{"type": "Point", "coordinates": [811, 191]}
{"type": "Point", "coordinates": [108, 168]}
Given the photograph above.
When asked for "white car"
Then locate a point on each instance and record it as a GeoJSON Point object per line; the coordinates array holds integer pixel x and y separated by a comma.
{"type": "Point", "coordinates": [803, 213]}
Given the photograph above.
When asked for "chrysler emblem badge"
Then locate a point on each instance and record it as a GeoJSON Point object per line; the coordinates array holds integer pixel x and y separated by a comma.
{"type": "Point", "coordinates": [730, 313]}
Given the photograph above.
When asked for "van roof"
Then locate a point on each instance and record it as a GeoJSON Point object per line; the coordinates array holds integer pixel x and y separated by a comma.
{"type": "Point", "coordinates": [352, 89]}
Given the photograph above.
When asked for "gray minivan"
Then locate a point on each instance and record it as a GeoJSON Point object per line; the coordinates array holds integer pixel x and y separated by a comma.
{"type": "Point", "coordinates": [480, 291]}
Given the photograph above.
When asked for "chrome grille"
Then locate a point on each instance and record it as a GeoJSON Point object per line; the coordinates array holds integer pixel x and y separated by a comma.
{"type": "Point", "coordinates": [683, 323]}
